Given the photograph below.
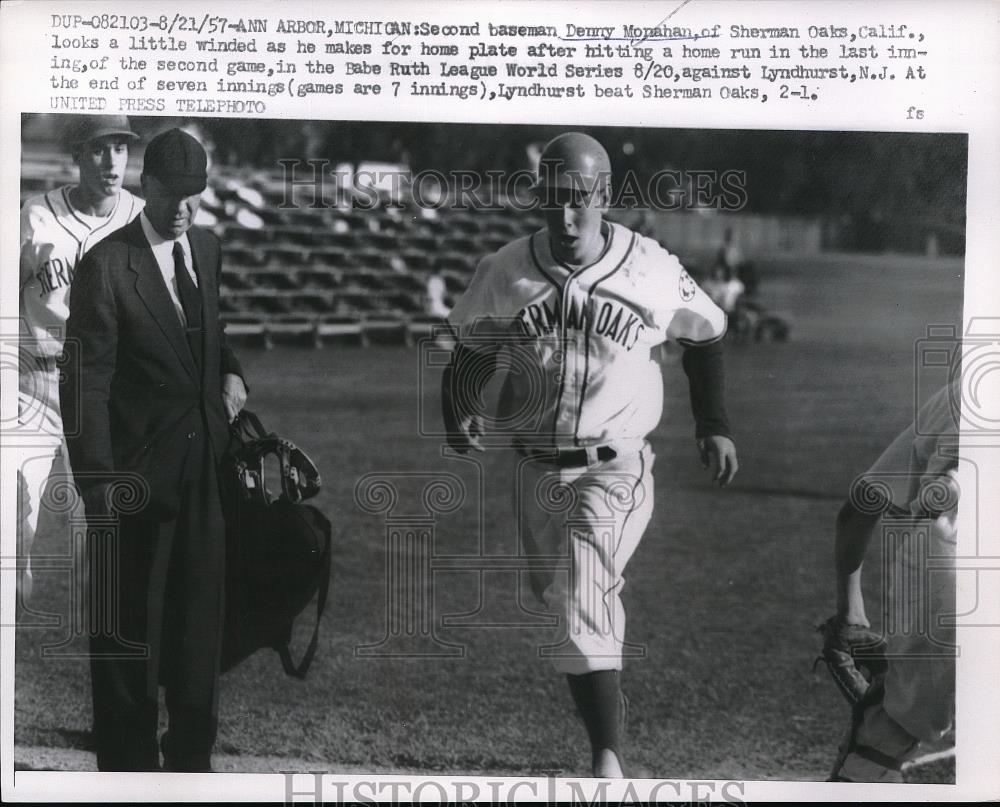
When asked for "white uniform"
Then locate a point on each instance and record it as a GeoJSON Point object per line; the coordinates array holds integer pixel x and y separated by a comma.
{"type": "Point", "coordinates": [581, 381]}
{"type": "Point", "coordinates": [917, 470]}
{"type": "Point", "coordinates": [54, 236]}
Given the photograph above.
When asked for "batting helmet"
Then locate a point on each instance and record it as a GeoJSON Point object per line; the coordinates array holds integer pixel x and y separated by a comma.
{"type": "Point", "coordinates": [576, 161]}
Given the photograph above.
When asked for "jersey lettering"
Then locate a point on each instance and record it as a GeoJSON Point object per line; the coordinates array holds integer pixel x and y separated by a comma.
{"type": "Point", "coordinates": [612, 320]}
{"type": "Point", "coordinates": [54, 236]}
{"type": "Point", "coordinates": [54, 274]}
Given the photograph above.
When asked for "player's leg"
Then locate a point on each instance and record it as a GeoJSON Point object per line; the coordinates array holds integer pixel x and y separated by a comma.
{"type": "Point", "coordinates": [37, 465]}
{"type": "Point", "coordinates": [600, 702]}
{"type": "Point", "coordinates": [612, 506]}
{"type": "Point", "coordinates": [545, 504]}
{"type": "Point", "coordinates": [915, 703]}
{"type": "Point", "coordinates": [920, 683]}
{"type": "Point", "coordinates": [596, 693]}
{"type": "Point", "coordinates": [40, 420]}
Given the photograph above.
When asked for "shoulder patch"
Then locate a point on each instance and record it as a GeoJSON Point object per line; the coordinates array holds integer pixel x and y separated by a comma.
{"type": "Point", "coordinates": [686, 286]}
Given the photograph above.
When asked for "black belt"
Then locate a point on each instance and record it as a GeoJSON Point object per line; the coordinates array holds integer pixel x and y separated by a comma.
{"type": "Point", "coordinates": [571, 458]}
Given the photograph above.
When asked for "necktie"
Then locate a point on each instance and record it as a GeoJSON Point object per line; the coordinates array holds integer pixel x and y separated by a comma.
{"type": "Point", "coordinates": [190, 302]}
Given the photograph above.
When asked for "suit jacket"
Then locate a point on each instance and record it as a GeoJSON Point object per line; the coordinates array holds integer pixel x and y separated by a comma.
{"type": "Point", "coordinates": [133, 396]}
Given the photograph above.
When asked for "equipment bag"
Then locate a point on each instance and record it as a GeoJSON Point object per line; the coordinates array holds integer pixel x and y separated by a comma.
{"type": "Point", "coordinates": [277, 549]}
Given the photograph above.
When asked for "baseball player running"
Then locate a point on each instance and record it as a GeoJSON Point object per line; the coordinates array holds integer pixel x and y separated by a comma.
{"type": "Point", "coordinates": [913, 701]}
{"type": "Point", "coordinates": [57, 228]}
{"type": "Point", "coordinates": [573, 312]}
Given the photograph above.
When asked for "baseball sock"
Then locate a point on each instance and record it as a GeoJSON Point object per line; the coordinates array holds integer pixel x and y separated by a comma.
{"type": "Point", "coordinates": [597, 696]}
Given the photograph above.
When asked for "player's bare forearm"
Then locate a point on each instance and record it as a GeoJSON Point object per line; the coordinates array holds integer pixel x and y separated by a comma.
{"type": "Point", "coordinates": [854, 533]}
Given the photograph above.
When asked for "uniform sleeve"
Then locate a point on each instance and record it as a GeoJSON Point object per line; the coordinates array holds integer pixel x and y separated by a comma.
{"type": "Point", "coordinates": [478, 302]}
{"type": "Point", "coordinates": [696, 319]}
{"type": "Point", "coordinates": [683, 312]}
{"type": "Point", "coordinates": [918, 453]}
{"type": "Point", "coordinates": [35, 250]}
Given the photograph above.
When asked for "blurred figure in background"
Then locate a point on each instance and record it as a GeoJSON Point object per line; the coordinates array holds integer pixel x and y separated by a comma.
{"type": "Point", "coordinates": [732, 259]}
{"type": "Point", "coordinates": [724, 288]}
{"type": "Point", "coordinates": [435, 303]}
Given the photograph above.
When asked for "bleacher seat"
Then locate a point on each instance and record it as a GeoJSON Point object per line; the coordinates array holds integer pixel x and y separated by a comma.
{"type": "Point", "coordinates": [243, 325]}
{"type": "Point", "coordinates": [465, 244]}
{"type": "Point", "coordinates": [347, 268]}
{"type": "Point", "coordinates": [236, 234]}
{"type": "Point", "coordinates": [294, 325]}
{"type": "Point", "coordinates": [301, 236]}
{"type": "Point", "coordinates": [287, 255]}
{"type": "Point", "coordinates": [314, 302]}
{"type": "Point", "coordinates": [462, 262]}
{"type": "Point", "coordinates": [242, 255]}
{"type": "Point", "coordinates": [332, 256]}
{"type": "Point", "coordinates": [333, 325]}
{"type": "Point", "coordinates": [320, 279]}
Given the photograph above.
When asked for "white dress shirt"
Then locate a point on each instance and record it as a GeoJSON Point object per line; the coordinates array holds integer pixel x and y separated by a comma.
{"type": "Point", "coordinates": [163, 251]}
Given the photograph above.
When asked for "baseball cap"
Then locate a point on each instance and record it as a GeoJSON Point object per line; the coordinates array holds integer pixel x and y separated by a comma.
{"type": "Point", "coordinates": [178, 161]}
{"type": "Point", "coordinates": [90, 127]}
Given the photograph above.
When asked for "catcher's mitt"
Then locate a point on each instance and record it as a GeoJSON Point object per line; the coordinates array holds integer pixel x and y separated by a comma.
{"type": "Point", "coordinates": [854, 655]}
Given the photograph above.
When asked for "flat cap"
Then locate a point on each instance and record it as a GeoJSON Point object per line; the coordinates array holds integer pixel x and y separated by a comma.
{"type": "Point", "coordinates": [177, 160]}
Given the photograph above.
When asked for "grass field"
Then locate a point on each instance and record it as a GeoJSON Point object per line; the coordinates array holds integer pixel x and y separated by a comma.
{"type": "Point", "coordinates": [723, 592]}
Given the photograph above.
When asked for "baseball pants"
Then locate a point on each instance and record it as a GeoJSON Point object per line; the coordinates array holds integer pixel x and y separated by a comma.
{"type": "Point", "coordinates": [42, 465]}
{"type": "Point", "coordinates": [579, 527]}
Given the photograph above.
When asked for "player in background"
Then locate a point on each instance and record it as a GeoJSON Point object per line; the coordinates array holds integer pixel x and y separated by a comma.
{"type": "Point", "coordinates": [914, 703]}
{"type": "Point", "coordinates": [724, 288]}
{"type": "Point", "coordinates": [577, 308]}
{"type": "Point", "coordinates": [57, 228]}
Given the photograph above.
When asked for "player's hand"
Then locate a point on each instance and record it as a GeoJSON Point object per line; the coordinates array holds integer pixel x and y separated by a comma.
{"type": "Point", "coordinates": [234, 395]}
{"type": "Point", "coordinates": [468, 434]}
{"type": "Point", "coordinates": [718, 454]}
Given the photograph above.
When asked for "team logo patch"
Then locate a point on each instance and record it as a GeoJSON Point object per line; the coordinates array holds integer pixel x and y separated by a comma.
{"type": "Point", "coordinates": [687, 287]}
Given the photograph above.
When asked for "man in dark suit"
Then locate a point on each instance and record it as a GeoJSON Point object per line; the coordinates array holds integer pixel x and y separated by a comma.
{"type": "Point", "coordinates": [151, 387]}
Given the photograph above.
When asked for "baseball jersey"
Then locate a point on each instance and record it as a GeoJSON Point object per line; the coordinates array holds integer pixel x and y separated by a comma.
{"type": "Point", "coordinates": [54, 236]}
{"type": "Point", "coordinates": [579, 367]}
{"type": "Point", "coordinates": [922, 452]}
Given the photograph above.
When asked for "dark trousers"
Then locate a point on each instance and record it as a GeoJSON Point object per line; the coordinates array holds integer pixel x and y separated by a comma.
{"type": "Point", "coordinates": [166, 628]}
